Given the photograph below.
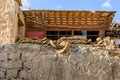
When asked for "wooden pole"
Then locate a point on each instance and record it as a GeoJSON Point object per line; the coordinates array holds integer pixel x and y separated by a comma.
{"type": "Point", "coordinates": [101, 33]}
{"type": "Point", "coordinates": [72, 32]}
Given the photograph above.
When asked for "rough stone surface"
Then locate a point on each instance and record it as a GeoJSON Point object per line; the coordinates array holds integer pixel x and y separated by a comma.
{"type": "Point", "coordinates": [38, 62]}
{"type": "Point", "coordinates": [12, 73]}
{"type": "Point", "coordinates": [23, 74]}
{"type": "Point", "coordinates": [2, 74]}
{"type": "Point", "coordinates": [9, 10]}
{"type": "Point", "coordinates": [11, 65]}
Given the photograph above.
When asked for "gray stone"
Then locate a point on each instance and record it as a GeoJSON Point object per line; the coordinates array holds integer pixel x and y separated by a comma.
{"type": "Point", "coordinates": [3, 56]}
{"type": "Point", "coordinates": [23, 74]}
{"type": "Point", "coordinates": [12, 73]}
{"type": "Point", "coordinates": [80, 63]}
{"type": "Point", "coordinates": [19, 79]}
{"type": "Point", "coordinates": [11, 65]}
{"type": "Point", "coordinates": [2, 74]}
{"type": "Point", "coordinates": [16, 79]}
{"type": "Point", "coordinates": [3, 79]}
{"type": "Point", "coordinates": [14, 56]}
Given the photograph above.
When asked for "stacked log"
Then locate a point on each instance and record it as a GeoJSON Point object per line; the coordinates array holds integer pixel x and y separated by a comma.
{"type": "Point", "coordinates": [71, 40]}
{"type": "Point", "coordinates": [115, 27]}
{"type": "Point", "coordinates": [33, 40]}
{"type": "Point", "coordinates": [61, 46]}
{"type": "Point", "coordinates": [107, 42]}
{"type": "Point", "coordinates": [114, 30]}
{"type": "Point", "coordinates": [76, 40]}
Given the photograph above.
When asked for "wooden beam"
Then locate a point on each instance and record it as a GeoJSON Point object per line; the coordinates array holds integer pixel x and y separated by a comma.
{"type": "Point", "coordinates": [101, 33]}
{"type": "Point", "coordinates": [87, 19]}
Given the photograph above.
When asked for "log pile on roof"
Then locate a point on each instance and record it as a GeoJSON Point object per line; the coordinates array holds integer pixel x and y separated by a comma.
{"type": "Point", "coordinates": [115, 26]}
{"type": "Point", "coordinates": [68, 19]}
{"type": "Point", "coordinates": [114, 29]}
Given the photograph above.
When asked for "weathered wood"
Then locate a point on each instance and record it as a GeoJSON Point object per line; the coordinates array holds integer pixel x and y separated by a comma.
{"type": "Point", "coordinates": [101, 33]}
{"type": "Point", "coordinates": [68, 20]}
{"type": "Point", "coordinates": [70, 17]}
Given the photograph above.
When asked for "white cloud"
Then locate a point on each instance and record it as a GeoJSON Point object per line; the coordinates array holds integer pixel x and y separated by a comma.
{"type": "Point", "coordinates": [59, 7]}
{"type": "Point", "coordinates": [107, 4]}
{"type": "Point", "coordinates": [25, 4]}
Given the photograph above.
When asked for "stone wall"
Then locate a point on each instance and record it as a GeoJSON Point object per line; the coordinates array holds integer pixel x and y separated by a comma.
{"type": "Point", "coordinates": [9, 10]}
{"type": "Point", "coordinates": [37, 62]}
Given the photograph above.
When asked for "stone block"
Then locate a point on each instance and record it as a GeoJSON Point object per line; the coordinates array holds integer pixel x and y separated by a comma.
{"type": "Point", "coordinates": [11, 65]}
{"type": "Point", "coordinates": [2, 74]}
{"type": "Point", "coordinates": [15, 79]}
{"type": "Point", "coordinates": [3, 56]}
{"type": "Point", "coordinates": [14, 56]}
{"type": "Point", "coordinates": [12, 73]}
{"type": "Point", "coordinates": [23, 74]}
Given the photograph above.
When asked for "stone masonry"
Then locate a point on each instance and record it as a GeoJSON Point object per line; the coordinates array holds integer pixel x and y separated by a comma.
{"type": "Point", "coordinates": [38, 62]}
{"type": "Point", "coordinates": [9, 10]}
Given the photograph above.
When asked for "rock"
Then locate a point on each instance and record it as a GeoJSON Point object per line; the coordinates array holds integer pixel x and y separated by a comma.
{"type": "Point", "coordinates": [27, 65]}
{"type": "Point", "coordinates": [11, 65]}
{"type": "Point", "coordinates": [23, 74]}
{"type": "Point", "coordinates": [8, 21]}
{"type": "Point", "coordinates": [38, 62]}
{"type": "Point", "coordinates": [14, 56]}
{"type": "Point", "coordinates": [2, 74]}
{"type": "Point", "coordinates": [12, 73]}
{"type": "Point", "coordinates": [3, 56]}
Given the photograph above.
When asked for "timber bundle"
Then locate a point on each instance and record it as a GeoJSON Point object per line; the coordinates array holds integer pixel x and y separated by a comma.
{"type": "Point", "coordinates": [71, 40]}
{"type": "Point", "coordinates": [61, 45]}
{"type": "Point", "coordinates": [76, 40]}
{"type": "Point", "coordinates": [115, 29]}
{"type": "Point", "coordinates": [107, 42]}
{"type": "Point", "coordinates": [33, 40]}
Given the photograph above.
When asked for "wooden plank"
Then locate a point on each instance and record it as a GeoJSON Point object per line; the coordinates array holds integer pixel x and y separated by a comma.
{"type": "Point", "coordinates": [70, 18]}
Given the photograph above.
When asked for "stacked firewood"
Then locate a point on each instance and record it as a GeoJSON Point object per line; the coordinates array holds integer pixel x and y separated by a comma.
{"type": "Point", "coordinates": [114, 27]}
{"type": "Point", "coordinates": [71, 40]}
{"type": "Point", "coordinates": [33, 40]}
{"type": "Point", "coordinates": [76, 40]}
{"type": "Point", "coordinates": [61, 45]}
{"type": "Point", "coordinates": [114, 30]}
{"type": "Point", "coordinates": [107, 42]}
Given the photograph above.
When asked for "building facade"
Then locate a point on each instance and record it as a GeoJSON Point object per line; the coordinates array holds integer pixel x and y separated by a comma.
{"type": "Point", "coordinates": [54, 24]}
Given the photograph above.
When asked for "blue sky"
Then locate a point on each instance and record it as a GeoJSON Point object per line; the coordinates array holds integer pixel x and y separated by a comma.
{"type": "Point", "coordinates": [90, 5]}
